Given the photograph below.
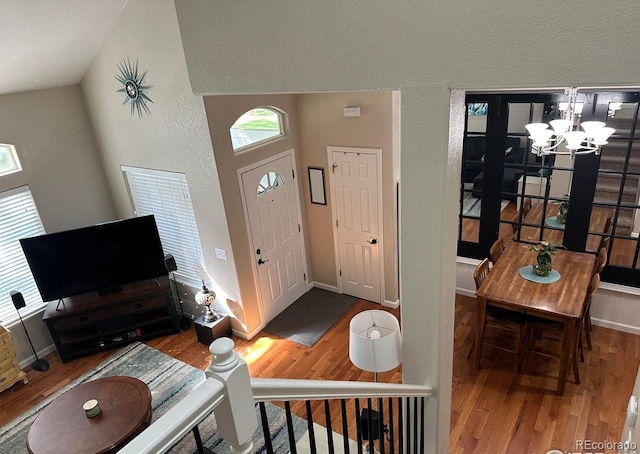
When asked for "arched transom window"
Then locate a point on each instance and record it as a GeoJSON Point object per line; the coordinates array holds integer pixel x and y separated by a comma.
{"type": "Point", "coordinates": [255, 126]}
{"type": "Point", "coordinates": [269, 182]}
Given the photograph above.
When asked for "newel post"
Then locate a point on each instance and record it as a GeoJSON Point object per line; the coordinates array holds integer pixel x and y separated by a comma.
{"type": "Point", "coordinates": [236, 415]}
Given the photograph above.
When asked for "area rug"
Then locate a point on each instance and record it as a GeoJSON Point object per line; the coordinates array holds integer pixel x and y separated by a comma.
{"type": "Point", "coordinates": [169, 380]}
{"type": "Point", "coordinates": [310, 316]}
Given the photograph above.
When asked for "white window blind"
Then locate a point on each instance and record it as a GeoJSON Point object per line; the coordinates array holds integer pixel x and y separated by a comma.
{"type": "Point", "coordinates": [166, 196]}
{"type": "Point", "coordinates": [18, 219]}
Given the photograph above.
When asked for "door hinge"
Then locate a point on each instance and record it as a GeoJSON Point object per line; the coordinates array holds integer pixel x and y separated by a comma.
{"type": "Point", "coordinates": [336, 223]}
{"type": "Point", "coordinates": [305, 276]}
{"type": "Point", "coordinates": [340, 273]}
{"type": "Point", "coordinates": [299, 228]}
{"type": "Point", "coordinates": [293, 173]}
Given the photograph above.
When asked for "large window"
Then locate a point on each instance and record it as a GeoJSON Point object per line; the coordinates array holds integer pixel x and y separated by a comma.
{"type": "Point", "coordinates": [508, 191]}
{"type": "Point", "coordinates": [18, 219]}
{"type": "Point", "coordinates": [256, 126]}
{"type": "Point", "coordinates": [166, 196]}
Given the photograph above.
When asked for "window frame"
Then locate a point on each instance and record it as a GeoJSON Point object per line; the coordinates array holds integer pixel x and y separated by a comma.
{"type": "Point", "coordinates": [14, 260]}
{"type": "Point", "coordinates": [167, 197]}
{"type": "Point", "coordinates": [13, 154]}
{"type": "Point", "coordinates": [281, 124]}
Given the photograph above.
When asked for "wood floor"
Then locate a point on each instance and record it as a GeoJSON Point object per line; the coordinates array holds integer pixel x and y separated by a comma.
{"type": "Point", "coordinates": [493, 409]}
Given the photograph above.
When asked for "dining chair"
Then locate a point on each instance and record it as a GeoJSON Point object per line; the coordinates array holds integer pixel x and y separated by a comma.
{"type": "Point", "coordinates": [586, 320]}
{"type": "Point", "coordinates": [601, 261]}
{"type": "Point", "coordinates": [500, 319]}
{"type": "Point", "coordinates": [604, 243]}
{"type": "Point", "coordinates": [545, 330]}
{"type": "Point", "coordinates": [516, 222]}
{"type": "Point", "coordinates": [526, 206]}
{"type": "Point", "coordinates": [497, 248]}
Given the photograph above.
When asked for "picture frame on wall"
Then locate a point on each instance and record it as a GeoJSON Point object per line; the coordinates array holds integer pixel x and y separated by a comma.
{"type": "Point", "coordinates": [316, 185]}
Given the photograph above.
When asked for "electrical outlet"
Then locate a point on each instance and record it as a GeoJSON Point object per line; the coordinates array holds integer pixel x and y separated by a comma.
{"type": "Point", "coordinates": [221, 254]}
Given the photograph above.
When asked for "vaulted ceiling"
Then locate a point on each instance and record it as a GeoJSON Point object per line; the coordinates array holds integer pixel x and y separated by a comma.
{"type": "Point", "coordinates": [51, 43]}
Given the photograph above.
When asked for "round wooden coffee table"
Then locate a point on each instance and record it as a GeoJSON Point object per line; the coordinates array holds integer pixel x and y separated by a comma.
{"type": "Point", "coordinates": [63, 427]}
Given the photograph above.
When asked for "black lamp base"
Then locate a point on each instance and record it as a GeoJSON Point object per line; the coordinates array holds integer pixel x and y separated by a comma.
{"type": "Point", "coordinates": [40, 365]}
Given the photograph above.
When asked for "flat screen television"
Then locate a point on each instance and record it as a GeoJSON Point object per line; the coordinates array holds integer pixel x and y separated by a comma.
{"type": "Point", "coordinates": [99, 258]}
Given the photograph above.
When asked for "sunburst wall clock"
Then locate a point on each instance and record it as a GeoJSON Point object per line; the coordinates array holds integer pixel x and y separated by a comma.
{"type": "Point", "coordinates": [133, 88]}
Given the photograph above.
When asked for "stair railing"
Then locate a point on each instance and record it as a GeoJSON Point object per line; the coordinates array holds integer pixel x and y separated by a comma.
{"type": "Point", "coordinates": [228, 391]}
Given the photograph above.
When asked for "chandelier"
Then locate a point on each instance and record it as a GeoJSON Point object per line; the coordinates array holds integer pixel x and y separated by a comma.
{"type": "Point", "coordinates": [549, 138]}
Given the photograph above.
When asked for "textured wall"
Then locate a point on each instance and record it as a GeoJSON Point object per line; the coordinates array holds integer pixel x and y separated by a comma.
{"type": "Point", "coordinates": [174, 136]}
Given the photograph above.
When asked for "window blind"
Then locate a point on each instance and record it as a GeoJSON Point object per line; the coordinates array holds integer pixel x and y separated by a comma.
{"type": "Point", "coordinates": [166, 196]}
{"type": "Point", "coordinates": [18, 219]}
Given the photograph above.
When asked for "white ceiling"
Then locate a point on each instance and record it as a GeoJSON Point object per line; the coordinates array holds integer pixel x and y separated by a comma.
{"type": "Point", "coordinates": [51, 43]}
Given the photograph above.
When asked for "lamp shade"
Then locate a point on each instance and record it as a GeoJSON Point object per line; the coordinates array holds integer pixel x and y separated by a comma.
{"type": "Point", "coordinates": [375, 342]}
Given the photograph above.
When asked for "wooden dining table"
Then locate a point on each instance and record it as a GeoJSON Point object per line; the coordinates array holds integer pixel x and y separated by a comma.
{"type": "Point", "coordinates": [560, 301]}
{"type": "Point", "coordinates": [554, 231]}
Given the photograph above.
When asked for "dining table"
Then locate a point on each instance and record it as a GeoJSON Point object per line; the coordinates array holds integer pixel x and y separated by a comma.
{"type": "Point", "coordinates": [554, 230]}
{"type": "Point", "coordinates": [511, 285]}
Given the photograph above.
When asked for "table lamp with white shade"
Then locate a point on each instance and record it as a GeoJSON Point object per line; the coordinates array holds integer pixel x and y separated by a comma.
{"type": "Point", "coordinates": [375, 342]}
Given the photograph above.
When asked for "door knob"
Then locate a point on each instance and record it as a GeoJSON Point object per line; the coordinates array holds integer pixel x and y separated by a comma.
{"type": "Point", "coordinates": [373, 241]}
{"type": "Point", "coordinates": [260, 261]}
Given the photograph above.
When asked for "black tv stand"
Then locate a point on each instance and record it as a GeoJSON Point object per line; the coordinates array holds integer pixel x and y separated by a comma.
{"type": "Point", "coordinates": [92, 322]}
{"type": "Point", "coordinates": [106, 291]}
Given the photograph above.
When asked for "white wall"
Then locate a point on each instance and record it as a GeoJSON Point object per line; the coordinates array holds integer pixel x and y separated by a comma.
{"type": "Point", "coordinates": [174, 136]}
{"type": "Point", "coordinates": [423, 49]}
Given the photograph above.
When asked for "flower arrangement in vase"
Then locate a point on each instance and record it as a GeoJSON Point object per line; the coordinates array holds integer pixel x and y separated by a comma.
{"type": "Point", "coordinates": [561, 217]}
{"type": "Point", "coordinates": [544, 250]}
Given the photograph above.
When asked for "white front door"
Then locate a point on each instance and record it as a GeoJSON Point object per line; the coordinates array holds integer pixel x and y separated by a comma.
{"type": "Point", "coordinates": [356, 196]}
{"type": "Point", "coordinates": [271, 203]}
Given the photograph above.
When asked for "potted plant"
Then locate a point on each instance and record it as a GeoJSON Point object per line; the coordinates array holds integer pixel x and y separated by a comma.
{"type": "Point", "coordinates": [561, 217]}
{"type": "Point", "coordinates": [544, 250]}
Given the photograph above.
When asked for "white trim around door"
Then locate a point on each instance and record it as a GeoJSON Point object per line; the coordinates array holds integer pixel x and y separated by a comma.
{"type": "Point", "coordinates": [359, 253]}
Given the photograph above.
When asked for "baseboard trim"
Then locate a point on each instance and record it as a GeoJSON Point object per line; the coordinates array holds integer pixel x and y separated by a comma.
{"type": "Point", "coordinates": [615, 326]}
{"type": "Point", "coordinates": [41, 354]}
{"type": "Point", "coordinates": [328, 287]}
{"type": "Point", "coordinates": [465, 292]}
{"type": "Point", "coordinates": [392, 304]}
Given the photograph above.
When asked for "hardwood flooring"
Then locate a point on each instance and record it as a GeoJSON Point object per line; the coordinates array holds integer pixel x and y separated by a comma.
{"type": "Point", "coordinates": [493, 409]}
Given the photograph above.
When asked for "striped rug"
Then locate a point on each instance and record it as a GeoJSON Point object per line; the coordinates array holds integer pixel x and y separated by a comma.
{"type": "Point", "coordinates": [169, 380]}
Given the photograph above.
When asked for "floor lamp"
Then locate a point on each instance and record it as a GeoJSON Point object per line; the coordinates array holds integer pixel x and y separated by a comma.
{"type": "Point", "coordinates": [375, 345]}
{"type": "Point", "coordinates": [18, 301]}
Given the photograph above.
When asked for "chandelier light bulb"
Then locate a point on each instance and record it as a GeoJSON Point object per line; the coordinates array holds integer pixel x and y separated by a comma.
{"type": "Point", "coordinates": [560, 126]}
{"type": "Point", "coordinates": [574, 139]}
{"type": "Point", "coordinates": [601, 135]}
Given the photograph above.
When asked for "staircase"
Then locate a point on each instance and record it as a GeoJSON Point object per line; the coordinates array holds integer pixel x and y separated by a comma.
{"type": "Point", "coordinates": [334, 412]}
{"type": "Point", "coordinates": [608, 186]}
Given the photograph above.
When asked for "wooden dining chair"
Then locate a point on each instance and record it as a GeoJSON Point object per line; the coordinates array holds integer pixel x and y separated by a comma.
{"type": "Point", "coordinates": [604, 243]}
{"type": "Point", "coordinates": [497, 248]}
{"type": "Point", "coordinates": [586, 318]}
{"type": "Point", "coordinates": [503, 320]}
{"type": "Point", "coordinates": [541, 330]}
{"type": "Point", "coordinates": [526, 206]}
{"type": "Point", "coordinates": [516, 222]}
{"type": "Point", "coordinates": [601, 261]}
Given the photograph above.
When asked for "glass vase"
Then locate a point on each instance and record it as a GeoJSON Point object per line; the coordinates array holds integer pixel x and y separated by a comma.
{"type": "Point", "coordinates": [542, 267]}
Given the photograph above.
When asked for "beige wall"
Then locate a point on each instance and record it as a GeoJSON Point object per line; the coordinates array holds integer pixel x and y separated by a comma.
{"type": "Point", "coordinates": [222, 112]}
{"type": "Point", "coordinates": [53, 139]}
{"type": "Point", "coordinates": [173, 137]}
{"type": "Point", "coordinates": [423, 49]}
{"type": "Point", "coordinates": [322, 123]}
